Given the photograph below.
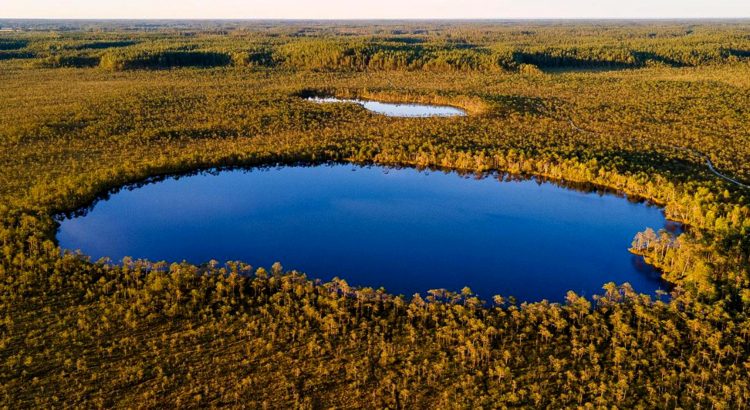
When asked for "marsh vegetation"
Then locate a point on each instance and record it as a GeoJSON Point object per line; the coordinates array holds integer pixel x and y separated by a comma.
{"type": "Point", "coordinates": [636, 107]}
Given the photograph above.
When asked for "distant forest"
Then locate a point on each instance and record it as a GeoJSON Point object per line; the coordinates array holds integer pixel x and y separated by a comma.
{"type": "Point", "coordinates": [385, 46]}
{"type": "Point", "coordinates": [656, 110]}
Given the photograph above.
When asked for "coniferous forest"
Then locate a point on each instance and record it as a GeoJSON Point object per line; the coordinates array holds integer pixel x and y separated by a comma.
{"type": "Point", "coordinates": [657, 110]}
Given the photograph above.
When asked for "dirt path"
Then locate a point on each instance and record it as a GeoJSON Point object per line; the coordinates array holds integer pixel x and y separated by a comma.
{"type": "Point", "coordinates": [689, 151]}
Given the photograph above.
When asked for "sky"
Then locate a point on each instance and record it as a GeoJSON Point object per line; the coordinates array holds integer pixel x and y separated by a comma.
{"type": "Point", "coordinates": [375, 9]}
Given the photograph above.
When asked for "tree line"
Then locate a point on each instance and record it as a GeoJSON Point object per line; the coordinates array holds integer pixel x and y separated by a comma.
{"type": "Point", "coordinates": [469, 46]}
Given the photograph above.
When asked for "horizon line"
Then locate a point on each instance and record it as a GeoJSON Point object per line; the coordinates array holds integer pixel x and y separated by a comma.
{"type": "Point", "coordinates": [369, 19]}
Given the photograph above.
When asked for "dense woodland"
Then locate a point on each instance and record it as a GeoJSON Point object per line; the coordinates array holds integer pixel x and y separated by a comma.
{"type": "Point", "coordinates": [637, 107]}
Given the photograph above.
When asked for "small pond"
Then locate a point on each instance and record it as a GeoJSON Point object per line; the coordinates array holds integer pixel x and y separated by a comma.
{"type": "Point", "coordinates": [402, 229]}
{"type": "Point", "coordinates": [398, 110]}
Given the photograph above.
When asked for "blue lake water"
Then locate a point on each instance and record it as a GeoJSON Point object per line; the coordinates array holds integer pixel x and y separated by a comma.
{"type": "Point", "coordinates": [397, 110]}
{"type": "Point", "coordinates": [401, 229]}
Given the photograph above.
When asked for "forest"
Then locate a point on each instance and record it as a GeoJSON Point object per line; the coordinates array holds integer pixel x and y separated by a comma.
{"type": "Point", "coordinates": [656, 110]}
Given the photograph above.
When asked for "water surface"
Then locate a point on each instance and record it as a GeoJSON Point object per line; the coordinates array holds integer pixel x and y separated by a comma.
{"type": "Point", "coordinates": [400, 229]}
{"type": "Point", "coordinates": [398, 110]}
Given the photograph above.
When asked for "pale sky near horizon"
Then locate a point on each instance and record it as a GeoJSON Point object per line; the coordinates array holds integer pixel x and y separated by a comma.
{"type": "Point", "coordinates": [376, 9]}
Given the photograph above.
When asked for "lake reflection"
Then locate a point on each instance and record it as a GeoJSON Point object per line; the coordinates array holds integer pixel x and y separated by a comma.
{"type": "Point", "coordinates": [401, 229]}
{"type": "Point", "coordinates": [398, 110]}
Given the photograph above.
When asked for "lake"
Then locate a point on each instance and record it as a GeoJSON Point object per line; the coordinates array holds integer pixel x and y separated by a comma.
{"type": "Point", "coordinates": [402, 229]}
{"type": "Point", "coordinates": [397, 110]}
